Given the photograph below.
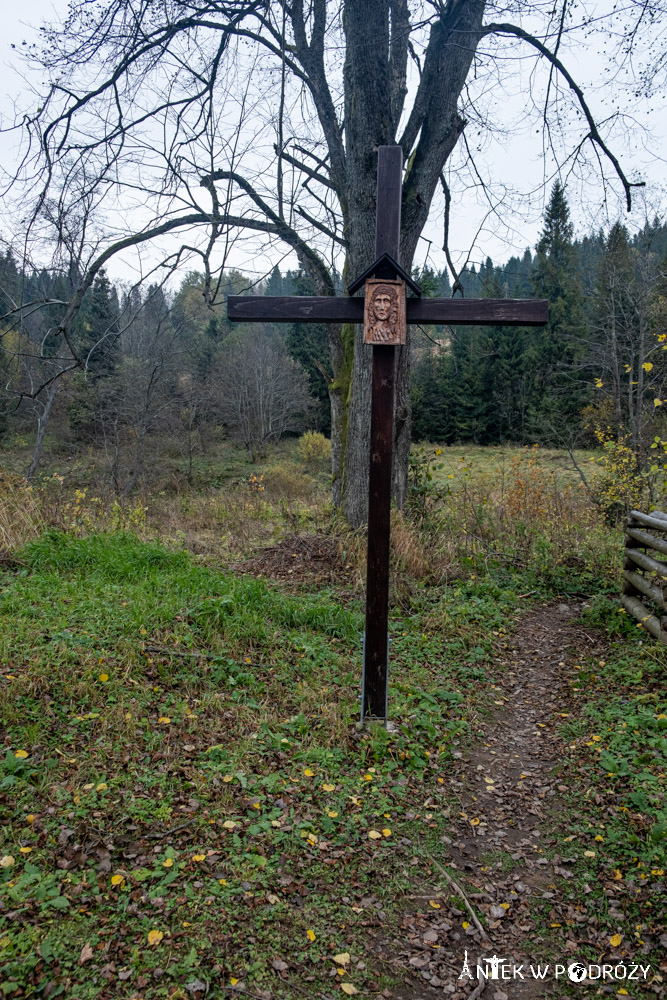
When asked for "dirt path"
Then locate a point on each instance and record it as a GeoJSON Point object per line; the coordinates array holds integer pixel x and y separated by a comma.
{"type": "Point", "coordinates": [503, 793]}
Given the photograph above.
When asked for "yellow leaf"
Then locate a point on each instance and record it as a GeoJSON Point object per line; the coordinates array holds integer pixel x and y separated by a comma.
{"type": "Point", "coordinates": [598, 837]}
{"type": "Point", "coordinates": [117, 880]}
{"type": "Point", "coordinates": [366, 777]}
{"type": "Point", "coordinates": [104, 678]}
{"type": "Point", "coordinates": [618, 875]}
{"type": "Point", "coordinates": [164, 719]}
{"type": "Point", "coordinates": [199, 857]}
{"type": "Point", "coordinates": [589, 854]}
{"type": "Point", "coordinates": [332, 813]}
{"type": "Point", "coordinates": [233, 981]}
{"type": "Point", "coordinates": [623, 992]}
{"type": "Point", "coordinates": [30, 818]}
{"type": "Point", "coordinates": [465, 925]}
{"type": "Point", "coordinates": [21, 754]}
{"type": "Point", "coordinates": [647, 366]}
{"type": "Point", "coordinates": [615, 940]}
{"type": "Point", "coordinates": [154, 937]}
{"type": "Point", "coordinates": [328, 788]}
{"type": "Point", "coordinates": [102, 787]}
{"type": "Point", "coordinates": [438, 451]}
{"type": "Point", "coordinates": [308, 773]}
{"type": "Point", "coordinates": [349, 989]}
{"type": "Point", "coordinates": [374, 835]}
{"type": "Point", "coordinates": [474, 821]}
{"type": "Point", "coordinates": [167, 863]}
{"type": "Point", "coordinates": [227, 778]}
{"type": "Point", "coordinates": [657, 402]}
{"type": "Point", "coordinates": [657, 871]}
{"type": "Point", "coordinates": [229, 824]}
{"type": "Point", "coordinates": [505, 906]}
{"type": "Point", "coordinates": [6, 861]}
{"type": "Point", "coordinates": [310, 935]}
{"type": "Point", "coordinates": [342, 959]}
{"type": "Point", "coordinates": [386, 832]}
{"type": "Point", "coordinates": [432, 902]}
{"type": "Point", "coordinates": [25, 850]}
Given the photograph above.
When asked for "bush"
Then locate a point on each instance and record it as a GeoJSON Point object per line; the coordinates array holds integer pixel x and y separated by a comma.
{"type": "Point", "coordinates": [314, 448]}
{"type": "Point", "coordinates": [286, 479]}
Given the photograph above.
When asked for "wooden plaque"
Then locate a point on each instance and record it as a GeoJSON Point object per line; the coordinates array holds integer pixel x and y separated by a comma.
{"type": "Point", "coordinates": [384, 311]}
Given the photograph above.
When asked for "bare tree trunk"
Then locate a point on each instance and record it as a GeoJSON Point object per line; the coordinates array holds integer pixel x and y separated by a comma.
{"type": "Point", "coordinates": [42, 421]}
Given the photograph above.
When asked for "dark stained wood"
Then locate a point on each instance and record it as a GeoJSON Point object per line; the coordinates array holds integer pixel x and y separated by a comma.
{"type": "Point", "coordinates": [327, 309]}
{"type": "Point", "coordinates": [294, 309]}
{"type": "Point", "coordinates": [389, 192]}
{"type": "Point", "coordinates": [379, 514]}
{"type": "Point", "coordinates": [473, 312]}
{"type": "Point", "coordinates": [387, 238]}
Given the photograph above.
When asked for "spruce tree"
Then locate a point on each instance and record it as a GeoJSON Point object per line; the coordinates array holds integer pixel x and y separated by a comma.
{"type": "Point", "coordinates": [556, 393]}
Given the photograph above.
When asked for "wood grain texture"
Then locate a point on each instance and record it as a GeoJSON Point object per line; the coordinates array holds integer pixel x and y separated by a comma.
{"type": "Point", "coordinates": [330, 309]}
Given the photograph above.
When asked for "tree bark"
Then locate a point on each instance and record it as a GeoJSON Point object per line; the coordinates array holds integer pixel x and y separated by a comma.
{"type": "Point", "coordinates": [42, 422]}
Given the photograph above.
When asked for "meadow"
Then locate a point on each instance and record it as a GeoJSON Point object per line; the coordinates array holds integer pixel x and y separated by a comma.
{"type": "Point", "coordinates": [189, 805]}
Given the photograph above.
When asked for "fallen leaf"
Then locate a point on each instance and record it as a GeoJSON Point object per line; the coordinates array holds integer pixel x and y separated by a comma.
{"type": "Point", "coordinates": [154, 937]}
{"type": "Point", "coordinates": [342, 959]}
{"type": "Point", "coordinates": [615, 940]}
{"type": "Point", "coordinates": [329, 788]}
{"type": "Point", "coordinates": [310, 935]}
{"type": "Point", "coordinates": [374, 835]}
{"type": "Point", "coordinates": [349, 989]}
{"type": "Point", "coordinates": [86, 954]}
{"type": "Point", "coordinates": [21, 754]}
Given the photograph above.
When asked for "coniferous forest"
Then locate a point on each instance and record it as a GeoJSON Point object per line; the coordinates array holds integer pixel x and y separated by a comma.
{"type": "Point", "coordinates": [163, 363]}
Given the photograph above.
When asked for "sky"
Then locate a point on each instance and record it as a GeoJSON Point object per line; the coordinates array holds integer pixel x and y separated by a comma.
{"type": "Point", "coordinates": [515, 160]}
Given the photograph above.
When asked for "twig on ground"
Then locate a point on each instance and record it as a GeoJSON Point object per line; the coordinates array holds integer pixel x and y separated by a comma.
{"type": "Point", "coordinates": [479, 989]}
{"type": "Point", "coordinates": [167, 833]}
{"type": "Point", "coordinates": [457, 888]}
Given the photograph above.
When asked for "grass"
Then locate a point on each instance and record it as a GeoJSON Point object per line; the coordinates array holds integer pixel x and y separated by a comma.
{"type": "Point", "coordinates": [284, 818]}
{"type": "Point", "coordinates": [185, 795]}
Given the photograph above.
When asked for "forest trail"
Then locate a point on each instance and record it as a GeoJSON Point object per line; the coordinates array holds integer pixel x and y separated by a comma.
{"type": "Point", "coordinates": [503, 853]}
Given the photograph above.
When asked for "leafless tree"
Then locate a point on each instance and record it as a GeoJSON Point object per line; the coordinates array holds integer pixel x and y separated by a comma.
{"type": "Point", "coordinates": [263, 393]}
{"type": "Point", "coordinates": [255, 123]}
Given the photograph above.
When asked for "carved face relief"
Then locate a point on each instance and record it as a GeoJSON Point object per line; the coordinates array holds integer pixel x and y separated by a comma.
{"type": "Point", "coordinates": [384, 312]}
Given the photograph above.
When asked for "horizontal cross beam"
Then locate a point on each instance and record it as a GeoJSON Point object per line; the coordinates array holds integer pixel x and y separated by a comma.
{"type": "Point", "coordinates": [330, 309]}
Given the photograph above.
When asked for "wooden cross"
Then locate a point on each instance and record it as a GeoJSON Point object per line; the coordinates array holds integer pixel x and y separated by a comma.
{"type": "Point", "coordinates": [385, 310]}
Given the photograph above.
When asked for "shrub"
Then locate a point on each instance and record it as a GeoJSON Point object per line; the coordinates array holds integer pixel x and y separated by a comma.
{"type": "Point", "coordinates": [286, 479]}
{"type": "Point", "coordinates": [314, 448]}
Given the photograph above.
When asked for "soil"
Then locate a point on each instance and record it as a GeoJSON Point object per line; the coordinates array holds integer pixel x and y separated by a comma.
{"type": "Point", "coordinates": [503, 795]}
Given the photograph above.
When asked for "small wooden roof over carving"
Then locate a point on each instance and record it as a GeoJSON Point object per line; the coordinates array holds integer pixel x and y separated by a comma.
{"type": "Point", "coordinates": [385, 267]}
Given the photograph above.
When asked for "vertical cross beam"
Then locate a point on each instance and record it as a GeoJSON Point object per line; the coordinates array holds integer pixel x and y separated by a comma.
{"type": "Point", "coordinates": [387, 236]}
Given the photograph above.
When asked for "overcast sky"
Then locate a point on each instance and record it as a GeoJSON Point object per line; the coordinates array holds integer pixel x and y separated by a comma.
{"type": "Point", "coordinates": [516, 159]}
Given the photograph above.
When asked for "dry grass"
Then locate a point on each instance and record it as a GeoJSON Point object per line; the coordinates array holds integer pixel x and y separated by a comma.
{"type": "Point", "coordinates": [20, 512]}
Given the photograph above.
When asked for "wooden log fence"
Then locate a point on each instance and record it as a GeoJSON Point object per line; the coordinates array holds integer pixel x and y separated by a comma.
{"type": "Point", "coordinates": [645, 577]}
